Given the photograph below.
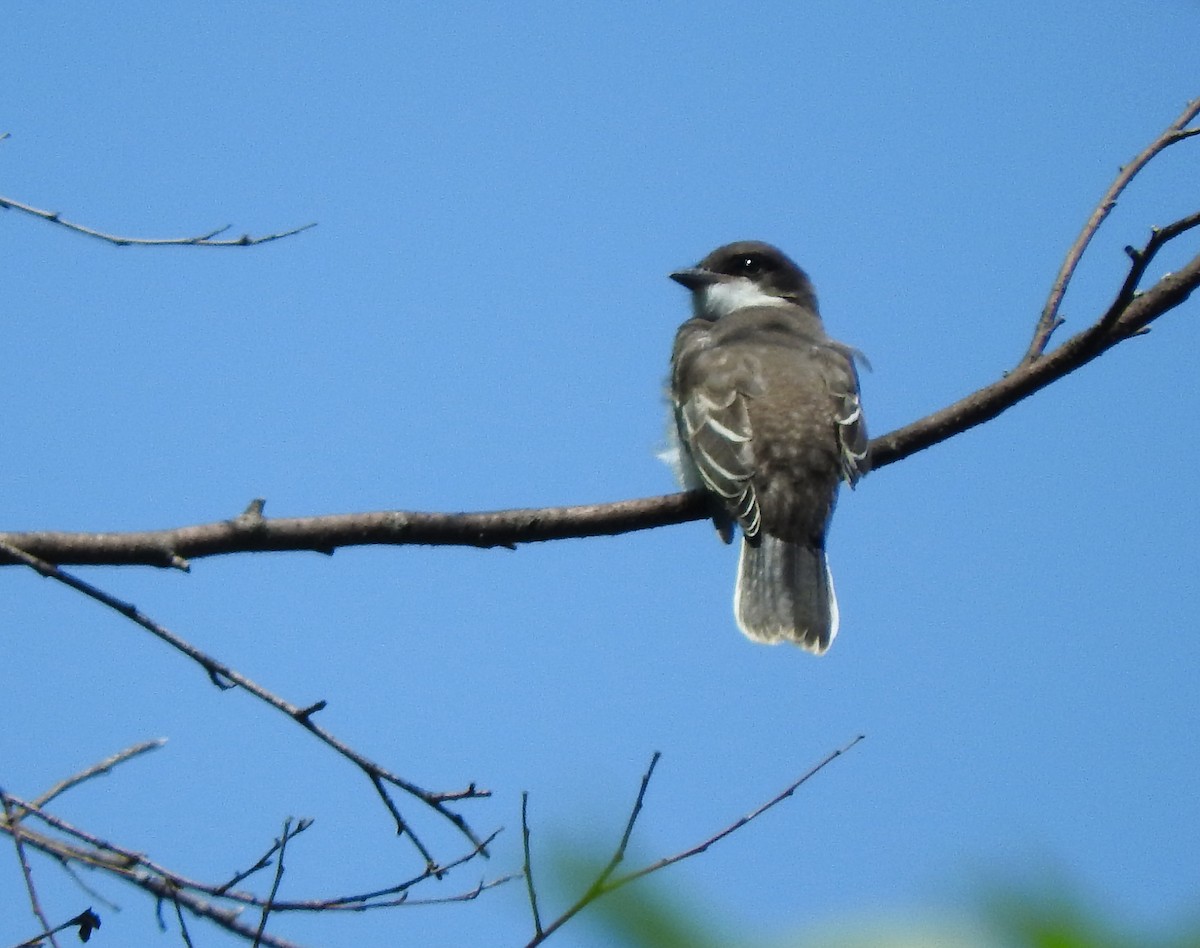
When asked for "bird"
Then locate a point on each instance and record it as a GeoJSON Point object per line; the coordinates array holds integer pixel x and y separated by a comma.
{"type": "Point", "coordinates": [768, 419]}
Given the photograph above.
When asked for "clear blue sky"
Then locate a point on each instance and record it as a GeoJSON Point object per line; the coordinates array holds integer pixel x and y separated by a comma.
{"type": "Point", "coordinates": [482, 320]}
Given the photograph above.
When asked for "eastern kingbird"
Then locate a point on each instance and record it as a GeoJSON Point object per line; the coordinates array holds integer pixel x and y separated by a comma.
{"type": "Point", "coordinates": [768, 415]}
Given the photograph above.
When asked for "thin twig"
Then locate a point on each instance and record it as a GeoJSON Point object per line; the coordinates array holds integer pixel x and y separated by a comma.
{"type": "Point", "coordinates": [266, 909]}
{"type": "Point", "coordinates": [1140, 260]}
{"type": "Point", "coordinates": [737, 824]}
{"type": "Point", "coordinates": [224, 676]}
{"type": "Point", "coordinates": [604, 883]}
{"type": "Point", "coordinates": [634, 814]}
{"type": "Point", "coordinates": [1177, 131]}
{"type": "Point", "coordinates": [136, 869]}
{"type": "Point", "coordinates": [68, 868]}
{"type": "Point", "coordinates": [17, 833]}
{"type": "Point", "coordinates": [200, 240]}
{"type": "Point", "coordinates": [84, 924]}
{"type": "Point", "coordinates": [377, 898]}
{"type": "Point", "coordinates": [527, 866]}
{"type": "Point", "coordinates": [263, 861]}
{"type": "Point", "coordinates": [103, 767]}
{"type": "Point", "coordinates": [163, 883]}
{"type": "Point", "coordinates": [618, 856]}
{"type": "Point", "coordinates": [183, 929]}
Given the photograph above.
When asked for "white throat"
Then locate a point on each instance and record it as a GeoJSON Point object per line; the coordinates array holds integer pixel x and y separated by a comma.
{"type": "Point", "coordinates": [721, 299]}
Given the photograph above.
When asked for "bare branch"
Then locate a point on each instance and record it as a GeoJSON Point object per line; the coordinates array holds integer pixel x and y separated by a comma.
{"type": "Point", "coordinates": [1177, 131]}
{"type": "Point", "coordinates": [173, 548]}
{"type": "Point", "coordinates": [604, 883]}
{"type": "Point", "coordinates": [84, 924]}
{"type": "Point", "coordinates": [74, 876]}
{"type": "Point", "coordinates": [1119, 323]}
{"type": "Point", "coordinates": [226, 677]}
{"type": "Point", "coordinates": [1129, 315]}
{"type": "Point", "coordinates": [17, 834]}
{"type": "Point", "coordinates": [132, 867]}
{"type": "Point", "coordinates": [183, 929]}
{"type": "Point", "coordinates": [263, 861]}
{"type": "Point", "coordinates": [200, 240]}
{"type": "Point", "coordinates": [282, 847]}
{"type": "Point", "coordinates": [527, 866]}
{"type": "Point", "coordinates": [737, 824]}
{"type": "Point", "coordinates": [103, 767]}
{"type": "Point", "coordinates": [219, 904]}
{"type": "Point", "coordinates": [384, 898]}
{"type": "Point", "coordinates": [618, 857]}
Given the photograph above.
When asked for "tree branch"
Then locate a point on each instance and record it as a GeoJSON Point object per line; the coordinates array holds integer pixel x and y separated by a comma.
{"type": "Point", "coordinates": [270, 900]}
{"type": "Point", "coordinates": [133, 868]}
{"type": "Point", "coordinates": [1124, 319]}
{"type": "Point", "coordinates": [219, 904]}
{"type": "Point", "coordinates": [324, 534]}
{"type": "Point", "coordinates": [200, 240]}
{"type": "Point", "coordinates": [606, 882]}
{"type": "Point", "coordinates": [1129, 315]}
{"type": "Point", "coordinates": [17, 834]}
{"type": "Point", "coordinates": [84, 924]}
{"type": "Point", "coordinates": [1049, 321]}
{"type": "Point", "coordinates": [225, 677]}
{"type": "Point", "coordinates": [103, 767]}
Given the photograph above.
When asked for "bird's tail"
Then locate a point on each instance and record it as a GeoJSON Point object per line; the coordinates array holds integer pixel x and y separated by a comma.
{"type": "Point", "coordinates": [785, 594]}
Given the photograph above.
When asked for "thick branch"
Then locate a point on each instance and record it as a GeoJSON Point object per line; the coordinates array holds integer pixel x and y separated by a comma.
{"type": "Point", "coordinates": [1113, 327]}
{"type": "Point", "coordinates": [252, 532]}
{"type": "Point", "coordinates": [1129, 315]}
{"type": "Point", "coordinates": [244, 534]}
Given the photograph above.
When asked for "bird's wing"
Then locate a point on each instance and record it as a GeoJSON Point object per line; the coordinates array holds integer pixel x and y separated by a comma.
{"type": "Point", "coordinates": [842, 379]}
{"type": "Point", "coordinates": [715, 426]}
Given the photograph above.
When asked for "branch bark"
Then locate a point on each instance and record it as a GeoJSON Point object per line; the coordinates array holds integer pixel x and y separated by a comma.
{"type": "Point", "coordinates": [252, 532]}
{"type": "Point", "coordinates": [1129, 315]}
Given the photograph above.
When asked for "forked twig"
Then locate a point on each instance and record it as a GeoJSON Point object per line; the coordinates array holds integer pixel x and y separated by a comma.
{"type": "Point", "coordinates": [270, 901]}
{"type": "Point", "coordinates": [606, 881]}
{"type": "Point", "coordinates": [219, 904]}
{"type": "Point", "coordinates": [1049, 321]}
{"type": "Point", "coordinates": [263, 861]}
{"type": "Point", "coordinates": [224, 677]}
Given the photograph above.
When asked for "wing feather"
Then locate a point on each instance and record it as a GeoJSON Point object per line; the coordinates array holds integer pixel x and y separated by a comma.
{"type": "Point", "coordinates": [848, 415]}
{"type": "Point", "coordinates": [717, 432]}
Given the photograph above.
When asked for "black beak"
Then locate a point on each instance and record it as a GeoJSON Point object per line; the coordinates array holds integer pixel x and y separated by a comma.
{"type": "Point", "coordinates": [695, 278]}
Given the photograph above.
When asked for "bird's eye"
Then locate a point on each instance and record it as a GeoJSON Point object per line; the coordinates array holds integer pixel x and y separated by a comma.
{"type": "Point", "coordinates": [751, 264]}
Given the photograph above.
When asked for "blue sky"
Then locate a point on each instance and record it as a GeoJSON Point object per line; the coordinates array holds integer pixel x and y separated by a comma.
{"type": "Point", "coordinates": [482, 320]}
